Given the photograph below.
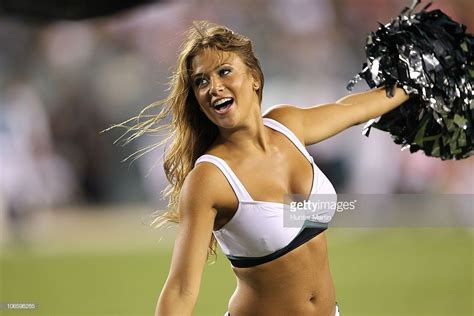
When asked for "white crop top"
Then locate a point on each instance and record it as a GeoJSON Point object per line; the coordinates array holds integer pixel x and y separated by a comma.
{"type": "Point", "coordinates": [256, 233]}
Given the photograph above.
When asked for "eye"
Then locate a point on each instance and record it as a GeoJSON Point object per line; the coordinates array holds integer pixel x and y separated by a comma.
{"type": "Point", "coordinates": [200, 82]}
{"type": "Point", "coordinates": [224, 72]}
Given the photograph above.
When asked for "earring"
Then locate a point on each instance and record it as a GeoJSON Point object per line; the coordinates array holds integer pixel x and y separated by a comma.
{"type": "Point", "coordinates": [255, 86]}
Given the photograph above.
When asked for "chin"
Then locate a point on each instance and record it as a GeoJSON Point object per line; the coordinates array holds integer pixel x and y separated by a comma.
{"type": "Point", "coordinates": [228, 122]}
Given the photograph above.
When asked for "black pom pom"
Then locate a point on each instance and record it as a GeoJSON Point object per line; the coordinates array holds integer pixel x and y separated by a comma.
{"type": "Point", "coordinates": [430, 56]}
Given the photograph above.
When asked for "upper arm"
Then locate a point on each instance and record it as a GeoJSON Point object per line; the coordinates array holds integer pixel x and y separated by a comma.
{"type": "Point", "coordinates": [312, 124]}
{"type": "Point", "coordinates": [316, 123]}
{"type": "Point", "coordinates": [197, 215]}
{"type": "Point", "coordinates": [325, 120]}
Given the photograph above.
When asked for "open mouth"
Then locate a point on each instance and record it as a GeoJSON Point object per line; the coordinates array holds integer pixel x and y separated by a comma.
{"type": "Point", "coordinates": [223, 105]}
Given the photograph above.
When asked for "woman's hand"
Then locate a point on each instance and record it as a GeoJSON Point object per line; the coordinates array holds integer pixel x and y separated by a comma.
{"type": "Point", "coordinates": [319, 122]}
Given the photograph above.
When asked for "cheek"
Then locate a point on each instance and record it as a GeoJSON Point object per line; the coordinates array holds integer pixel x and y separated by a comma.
{"type": "Point", "coordinates": [197, 102]}
{"type": "Point", "coordinates": [246, 88]}
{"type": "Point", "coordinates": [239, 85]}
{"type": "Point", "coordinates": [199, 95]}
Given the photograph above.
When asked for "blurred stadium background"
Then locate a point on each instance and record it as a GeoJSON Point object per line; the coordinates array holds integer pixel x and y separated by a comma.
{"type": "Point", "coordinates": [73, 218]}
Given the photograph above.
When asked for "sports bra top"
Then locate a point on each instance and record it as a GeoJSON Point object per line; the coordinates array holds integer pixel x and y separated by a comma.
{"type": "Point", "coordinates": [256, 233]}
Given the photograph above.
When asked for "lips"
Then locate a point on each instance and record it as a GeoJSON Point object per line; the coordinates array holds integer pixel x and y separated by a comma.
{"type": "Point", "coordinates": [223, 105]}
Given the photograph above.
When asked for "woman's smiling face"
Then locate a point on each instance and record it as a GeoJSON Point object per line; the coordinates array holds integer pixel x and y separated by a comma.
{"type": "Point", "coordinates": [225, 88]}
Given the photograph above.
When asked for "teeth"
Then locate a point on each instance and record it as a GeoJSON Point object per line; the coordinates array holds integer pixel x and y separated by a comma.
{"type": "Point", "coordinates": [219, 102]}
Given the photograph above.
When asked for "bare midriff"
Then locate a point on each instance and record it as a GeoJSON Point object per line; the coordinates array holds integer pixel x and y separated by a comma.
{"type": "Point", "coordinates": [298, 283]}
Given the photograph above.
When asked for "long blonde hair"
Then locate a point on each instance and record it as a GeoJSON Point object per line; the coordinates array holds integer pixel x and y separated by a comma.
{"type": "Point", "coordinates": [190, 131]}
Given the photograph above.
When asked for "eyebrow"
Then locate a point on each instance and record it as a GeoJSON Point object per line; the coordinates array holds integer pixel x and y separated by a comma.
{"type": "Point", "coordinates": [200, 74]}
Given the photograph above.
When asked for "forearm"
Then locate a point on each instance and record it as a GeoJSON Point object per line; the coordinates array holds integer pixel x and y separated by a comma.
{"type": "Point", "coordinates": [173, 302]}
{"type": "Point", "coordinates": [373, 103]}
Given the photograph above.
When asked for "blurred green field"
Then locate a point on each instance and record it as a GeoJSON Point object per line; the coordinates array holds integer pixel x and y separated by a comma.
{"type": "Point", "coordinates": [402, 271]}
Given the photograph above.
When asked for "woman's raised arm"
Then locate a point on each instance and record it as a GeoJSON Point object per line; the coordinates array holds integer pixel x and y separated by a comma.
{"type": "Point", "coordinates": [319, 122]}
{"type": "Point", "coordinates": [197, 214]}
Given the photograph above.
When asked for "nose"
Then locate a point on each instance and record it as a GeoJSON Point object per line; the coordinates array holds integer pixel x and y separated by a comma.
{"type": "Point", "coordinates": [216, 87]}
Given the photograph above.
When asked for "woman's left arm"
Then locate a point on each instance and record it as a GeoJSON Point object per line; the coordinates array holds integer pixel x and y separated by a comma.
{"type": "Point", "coordinates": [319, 122]}
{"type": "Point", "coordinates": [324, 121]}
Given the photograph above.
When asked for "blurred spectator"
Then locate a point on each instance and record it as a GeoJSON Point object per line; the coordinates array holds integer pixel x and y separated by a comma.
{"type": "Point", "coordinates": [75, 126]}
{"type": "Point", "coordinates": [33, 175]}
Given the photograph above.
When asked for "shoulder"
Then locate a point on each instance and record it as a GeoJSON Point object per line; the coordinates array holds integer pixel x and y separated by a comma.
{"type": "Point", "coordinates": [202, 187]}
{"type": "Point", "coordinates": [289, 115]}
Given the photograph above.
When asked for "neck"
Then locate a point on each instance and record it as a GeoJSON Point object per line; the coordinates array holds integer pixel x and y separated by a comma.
{"type": "Point", "coordinates": [248, 138]}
